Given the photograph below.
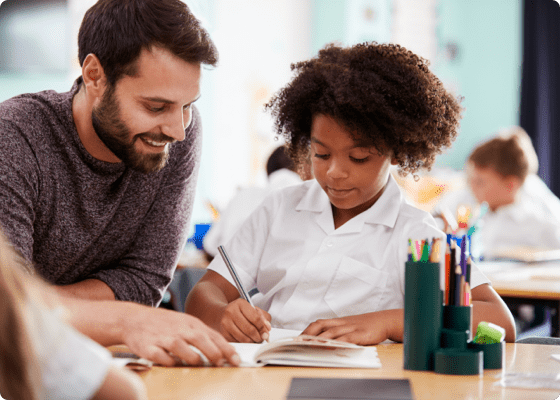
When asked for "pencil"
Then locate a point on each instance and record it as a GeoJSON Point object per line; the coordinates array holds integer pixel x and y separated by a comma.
{"type": "Point", "coordinates": [468, 270]}
{"type": "Point", "coordinates": [425, 251]}
{"type": "Point", "coordinates": [463, 257]}
{"type": "Point", "coordinates": [467, 294]}
{"type": "Point", "coordinates": [452, 266]}
{"type": "Point", "coordinates": [434, 252]}
{"type": "Point", "coordinates": [447, 273]}
{"type": "Point", "coordinates": [242, 292]}
{"type": "Point", "coordinates": [458, 285]}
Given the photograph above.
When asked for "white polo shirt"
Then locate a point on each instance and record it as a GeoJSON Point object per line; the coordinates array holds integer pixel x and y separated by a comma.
{"type": "Point", "coordinates": [304, 269]}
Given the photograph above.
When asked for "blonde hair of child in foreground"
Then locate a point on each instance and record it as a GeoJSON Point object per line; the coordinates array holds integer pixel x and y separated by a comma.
{"type": "Point", "coordinates": [23, 300]}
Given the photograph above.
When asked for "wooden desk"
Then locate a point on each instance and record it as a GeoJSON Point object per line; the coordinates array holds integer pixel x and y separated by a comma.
{"type": "Point", "coordinates": [270, 383]}
{"type": "Point", "coordinates": [527, 283]}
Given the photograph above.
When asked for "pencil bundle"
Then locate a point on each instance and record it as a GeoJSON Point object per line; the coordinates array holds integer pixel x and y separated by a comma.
{"type": "Point", "coordinates": [424, 250]}
{"type": "Point", "coordinates": [457, 272]}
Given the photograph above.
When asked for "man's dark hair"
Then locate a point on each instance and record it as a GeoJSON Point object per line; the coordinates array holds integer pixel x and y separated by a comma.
{"type": "Point", "coordinates": [279, 159]}
{"type": "Point", "coordinates": [116, 31]}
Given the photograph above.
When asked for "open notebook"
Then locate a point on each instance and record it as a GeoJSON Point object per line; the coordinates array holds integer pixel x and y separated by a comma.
{"type": "Point", "coordinates": [287, 347]}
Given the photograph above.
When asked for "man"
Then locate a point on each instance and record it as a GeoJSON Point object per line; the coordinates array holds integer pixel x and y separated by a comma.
{"type": "Point", "coordinates": [97, 184]}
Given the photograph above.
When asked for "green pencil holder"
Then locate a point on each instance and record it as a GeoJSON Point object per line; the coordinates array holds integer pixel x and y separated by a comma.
{"type": "Point", "coordinates": [458, 318]}
{"type": "Point", "coordinates": [422, 315]}
{"type": "Point", "coordinates": [452, 339]}
{"type": "Point", "coordinates": [493, 353]}
{"type": "Point", "coordinates": [458, 362]}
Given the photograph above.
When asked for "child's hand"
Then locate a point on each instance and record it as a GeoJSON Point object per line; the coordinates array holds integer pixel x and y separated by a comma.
{"type": "Point", "coordinates": [241, 322]}
{"type": "Point", "coordinates": [364, 329]}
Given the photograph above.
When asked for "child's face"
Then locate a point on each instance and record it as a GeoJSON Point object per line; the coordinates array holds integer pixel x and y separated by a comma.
{"type": "Point", "coordinates": [490, 186]}
{"type": "Point", "coordinates": [352, 176]}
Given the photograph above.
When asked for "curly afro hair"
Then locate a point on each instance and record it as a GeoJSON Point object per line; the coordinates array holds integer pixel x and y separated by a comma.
{"type": "Point", "coordinates": [383, 94]}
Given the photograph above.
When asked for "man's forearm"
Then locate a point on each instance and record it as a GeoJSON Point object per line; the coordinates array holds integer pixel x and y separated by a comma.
{"type": "Point", "coordinates": [90, 289]}
{"type": "Point", "coordinates": [100, 320]}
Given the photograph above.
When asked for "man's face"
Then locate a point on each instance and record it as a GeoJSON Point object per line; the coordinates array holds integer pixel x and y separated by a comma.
{"type": "Point", "coordinates": [140, 116]}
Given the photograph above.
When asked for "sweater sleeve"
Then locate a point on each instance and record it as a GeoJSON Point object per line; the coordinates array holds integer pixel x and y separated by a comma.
{"type": "Point", "coordinates": [19, 186]}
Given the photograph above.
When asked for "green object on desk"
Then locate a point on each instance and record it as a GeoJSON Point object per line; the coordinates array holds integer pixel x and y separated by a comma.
{"type": "Point", "coordinates": [489, 333]}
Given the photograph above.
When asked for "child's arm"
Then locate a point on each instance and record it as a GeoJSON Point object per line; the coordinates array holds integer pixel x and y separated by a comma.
{"type": "Point", "coordinates": [488, 306]}
{"type": "Point", "coordinates": [373, 328]}
{"type": "Point", "coordinates": [217, 303]}
{"type": "Point", "coordinates": [364, 329]}
{"type": "Point", "coordinates": [120, 384]}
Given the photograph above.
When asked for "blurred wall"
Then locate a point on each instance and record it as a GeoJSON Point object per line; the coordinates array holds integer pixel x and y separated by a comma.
{"type": "Point", "coordinates": [474, 47]}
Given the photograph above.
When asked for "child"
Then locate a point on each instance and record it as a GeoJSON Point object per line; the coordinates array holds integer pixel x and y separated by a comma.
{"type": "Point", "coordinates": [43, 358]}
{"type": "Point", "coordinates": [327, 256]}
{"type": "Point", "coordinates": [522, 212]}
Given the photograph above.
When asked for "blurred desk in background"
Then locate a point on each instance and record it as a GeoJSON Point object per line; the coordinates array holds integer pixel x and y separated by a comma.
{"type": "Point", "coordinates": [536, 283]}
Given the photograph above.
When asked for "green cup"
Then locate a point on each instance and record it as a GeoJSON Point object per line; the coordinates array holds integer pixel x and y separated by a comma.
{"type": "Point", "coordinates": [422, 315]}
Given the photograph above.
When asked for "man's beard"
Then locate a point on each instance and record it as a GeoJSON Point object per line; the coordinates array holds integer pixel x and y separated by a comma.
{"type": "Point", "coordinates": [113, 132]}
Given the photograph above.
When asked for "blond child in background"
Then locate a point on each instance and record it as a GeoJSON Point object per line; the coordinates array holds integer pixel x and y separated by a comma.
{"type": "Point", "coordinates": [41, 357]}
{"type": "Point", "coordinates": [522, 212]}
{"type": "Point", "coordinates": [327, 256]}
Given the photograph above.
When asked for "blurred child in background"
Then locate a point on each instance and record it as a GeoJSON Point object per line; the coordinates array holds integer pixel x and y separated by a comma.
{"type": "Point", "coordinates": [522, 212]}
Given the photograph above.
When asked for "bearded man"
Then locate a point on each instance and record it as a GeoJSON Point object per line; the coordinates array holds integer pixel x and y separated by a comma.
{"type": "Point", "coordinates": [97, 184]}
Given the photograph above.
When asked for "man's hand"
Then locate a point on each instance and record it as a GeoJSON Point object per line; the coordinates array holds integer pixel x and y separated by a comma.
{"type": "Point", "coordinates": [364, 329]}
{"type": "Point", "coordinates": [160, 335]}
{"type": "Point", "coordinates": [241, 322]}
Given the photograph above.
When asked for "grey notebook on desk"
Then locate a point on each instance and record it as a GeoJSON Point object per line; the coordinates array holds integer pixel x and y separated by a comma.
{"type": "Point", "coordinates": [349, 389]}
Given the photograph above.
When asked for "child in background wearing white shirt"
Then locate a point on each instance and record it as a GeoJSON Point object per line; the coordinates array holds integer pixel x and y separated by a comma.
{"type": "Point", "coordinates": [41, 357]}
{"type": "Point", "coordinates": [523, 213]}
{"type": "Point", "coordinates": [327, 256]}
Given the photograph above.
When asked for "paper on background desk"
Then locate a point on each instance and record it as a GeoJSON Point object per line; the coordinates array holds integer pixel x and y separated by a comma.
{"type": "Point", "coordinates": [529, 380]}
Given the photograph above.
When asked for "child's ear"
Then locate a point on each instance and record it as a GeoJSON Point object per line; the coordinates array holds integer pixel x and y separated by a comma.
{"type": "Point", "coordinates": [513, 184]}
{"type": "Point", "coordinates": [394, 161]}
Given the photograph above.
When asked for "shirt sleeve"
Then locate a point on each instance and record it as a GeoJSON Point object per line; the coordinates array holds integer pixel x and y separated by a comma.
{"type": "Point", "coordinates": [72, 366]}
{"type": "Point", "coordinates": [144, 272]}
{"type": "Point", "coordinates": [246, 246]}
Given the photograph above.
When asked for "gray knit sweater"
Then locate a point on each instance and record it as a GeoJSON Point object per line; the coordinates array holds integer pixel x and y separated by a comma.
{"type": "Point", "coordinates": [76, 217]}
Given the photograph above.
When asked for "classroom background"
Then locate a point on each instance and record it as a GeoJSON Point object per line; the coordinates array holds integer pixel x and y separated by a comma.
{"type": "Point", "coordinates": [475, 47]}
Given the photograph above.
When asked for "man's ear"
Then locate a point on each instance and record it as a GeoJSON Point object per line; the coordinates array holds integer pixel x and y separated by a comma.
{"type": "Point", "coordinates": [93, 76]}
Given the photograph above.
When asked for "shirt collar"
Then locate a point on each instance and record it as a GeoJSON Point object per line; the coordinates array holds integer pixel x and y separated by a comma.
{"type": "Point", "coordinates": [384, 212]}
